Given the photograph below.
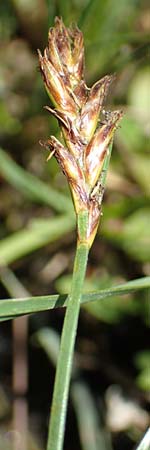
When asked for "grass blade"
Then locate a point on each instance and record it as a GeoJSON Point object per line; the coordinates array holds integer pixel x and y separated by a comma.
{"type": "Point", "coordinates": [38, 234]}
{"type": "Point", "coordinates": [31, 186]}
{"type": "Point", "coordinates": [15, 307]}
{"type": "Point", "coordinates": [92, 434]}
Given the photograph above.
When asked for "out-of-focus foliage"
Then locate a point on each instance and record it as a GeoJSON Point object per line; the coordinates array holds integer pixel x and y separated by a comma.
{"type": "Point", "coordinates": [142, 362]}
{"type": "Point", "coordinates": [36, 217]}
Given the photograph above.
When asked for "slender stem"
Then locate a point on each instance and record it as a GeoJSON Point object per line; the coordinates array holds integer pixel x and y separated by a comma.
{"type": "Point", "coordinates": [106, 165]}
{"type": "Point", "coordinates": [64, 365]}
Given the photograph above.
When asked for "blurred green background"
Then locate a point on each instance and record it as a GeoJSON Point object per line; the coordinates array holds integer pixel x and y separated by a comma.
{"type": "Point", "coordinates": [37, 226]}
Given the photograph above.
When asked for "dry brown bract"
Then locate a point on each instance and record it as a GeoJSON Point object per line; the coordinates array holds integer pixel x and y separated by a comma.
{"type": "Point", "coordinates": [77, 109]}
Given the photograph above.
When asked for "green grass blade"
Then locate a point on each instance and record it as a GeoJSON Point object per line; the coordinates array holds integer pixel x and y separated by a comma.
{"type": "Point", "coordinates": [15, 307]}
{"type": "Point", "coordinates": [101, 20]}
{"type": "Point", "coordinates": [31, 186]}
{"type": "Point", "coordinates": [38, 234]}
{"type": "Point", "coordinates": [65, 10]}
{"type": "Point", "coordinates": [49, 340]}
{"type": "Point", "coordinates": [85, 13]}
{"type": "Point", "coordinates": [12, 284]}
{"type": "Point", "coordinates": [84, 405]}
{"type": "Point", "coordinates": [52, 11]}
{"type": "Point", "coordinates": [92, 434]}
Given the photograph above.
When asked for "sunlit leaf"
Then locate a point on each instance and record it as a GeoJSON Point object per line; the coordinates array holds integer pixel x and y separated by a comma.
{"type": "Point", "coordinates": [36, 235]}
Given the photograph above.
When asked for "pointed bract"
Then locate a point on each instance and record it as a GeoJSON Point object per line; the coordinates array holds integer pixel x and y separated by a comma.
{"type": "Point", "coordinates": [77, 54]}
{"type": "Point", "coordinates": [55, 87]}
{"type": "Point", "coordinates": [54, 55]}
{"type": "Point", "coordinates": [71, 170]}
{"type": "Point", "coordinates": [77, 109]}
{"type": "Point", "coordinates": [63, 44]}
{"type": "Point", "coordinates": [94, 216]}
{"type": "Point", "coordinates": [92, 108]}
{"type": "Point", "coordinates": [97, 148]}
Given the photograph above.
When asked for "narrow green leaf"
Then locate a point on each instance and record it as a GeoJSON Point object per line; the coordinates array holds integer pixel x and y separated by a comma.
{"type": "Point", "coordinates": [51, 9]}
{"type": "Point", "coordinates": [31, 186]}
{"type": "Point", "coordinates": [49, 340]}
{"type": "Point", "coordinates": [15, 307]}
{"type": "Point", "coordinates": [92, 433]}
{"type": "Point", "coordinates": [65, 10]}
{"type": "Point", "coordinates": [38, 234]}
{"type": "Point", "coordinates": [84, 405]}
{"type": "Point", "coordinates": [85, 13]}
{"type": "Point", "coordinates": [110, 311]}
{"type": "Point", "coordinates": [12, 284]}
{"type": "Point", "coordinates": [101, 20]}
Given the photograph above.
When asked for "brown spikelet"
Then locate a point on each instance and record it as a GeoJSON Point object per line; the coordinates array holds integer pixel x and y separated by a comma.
{"type": "Point", "coordinates": [77, 109]}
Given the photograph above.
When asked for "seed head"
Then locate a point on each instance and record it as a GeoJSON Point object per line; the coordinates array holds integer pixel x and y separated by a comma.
{"type": "Point", "coordinates": [77, 109]}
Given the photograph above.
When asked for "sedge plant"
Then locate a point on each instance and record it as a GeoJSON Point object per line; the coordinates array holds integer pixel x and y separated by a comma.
{"type": "Point", "coordinates": [83, 155]}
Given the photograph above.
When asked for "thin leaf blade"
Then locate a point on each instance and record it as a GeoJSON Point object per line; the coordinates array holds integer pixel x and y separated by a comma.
{"type": "Point", "coordinates": [16, 307]}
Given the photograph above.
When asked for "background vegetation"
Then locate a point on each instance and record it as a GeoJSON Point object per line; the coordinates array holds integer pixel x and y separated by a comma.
{"type": "Point", "coordinates": [110, 388]}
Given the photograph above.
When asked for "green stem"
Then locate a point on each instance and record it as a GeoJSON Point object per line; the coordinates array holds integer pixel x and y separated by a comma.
{"type": "Point", "coordinates": [64, 365]}
{"type": "Point", "coordinates": [106, 165]}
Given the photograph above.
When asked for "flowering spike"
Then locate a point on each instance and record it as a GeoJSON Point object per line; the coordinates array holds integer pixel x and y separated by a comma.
{"type": "Point", "coordinates": [77, 109]}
